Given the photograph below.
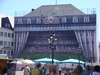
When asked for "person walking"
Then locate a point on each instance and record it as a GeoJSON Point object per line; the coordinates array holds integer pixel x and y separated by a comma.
{"type": "Point", "coordinates": [96, 70]}
{"type": "Point", "coordinates": [36, 70]}
{"type": "Point", "coordinates": [26, 70]}
{"type": "Point", "coordinates": [79, 70]}
{"type": "Point", "coordinates": [87, 70]}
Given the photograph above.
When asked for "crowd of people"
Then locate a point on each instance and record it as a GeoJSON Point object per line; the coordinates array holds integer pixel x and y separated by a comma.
{"type": "Point", "coordinates": [38, 42]}
{"type": "Point", "coordinates": [78, 70]}
{"type": "Point", "coordinates": [46, 49]}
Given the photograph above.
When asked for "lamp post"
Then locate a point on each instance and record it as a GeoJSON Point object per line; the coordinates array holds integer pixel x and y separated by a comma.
{"type": "Point", "coordinates": [28, 55]}
{"type": "Point", "coordinates": [79, 53]}
{"type": "Point", "coordinates": [53, 42]}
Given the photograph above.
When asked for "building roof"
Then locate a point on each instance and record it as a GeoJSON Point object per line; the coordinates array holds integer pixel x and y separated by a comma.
{"type": "Point", "coordinates": [11, 19]}
{"type": "Point", "coordinates": [55, 10]}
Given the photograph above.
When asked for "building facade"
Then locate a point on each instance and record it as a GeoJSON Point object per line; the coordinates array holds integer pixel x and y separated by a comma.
{"type": "Point", "coordinates": [6, 35]}
{"type": "Point", "coordinates": [73, 29]}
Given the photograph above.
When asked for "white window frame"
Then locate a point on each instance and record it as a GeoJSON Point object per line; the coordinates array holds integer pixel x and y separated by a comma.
{"type": "Point", "coordinates": [64, 20]}
{"type": "Point", "coordinates": [86, 19]}
{"type": "Point", "coordinates": [1, 34]}
{"type": "Point", "coordinates": [19, 20]}
{"type": "Point", "coordinates": [29, 21]}
{"type": "Point", "coordinates": [9, 44]}
{"type": "Point", "coordinates": [38, 20]}
{"type": "Point", "coordinates": [5, 34]}
{"type": "Point", "coordinates": [75, 19]}
{"type": "Point", "coordinates": [5, 43]}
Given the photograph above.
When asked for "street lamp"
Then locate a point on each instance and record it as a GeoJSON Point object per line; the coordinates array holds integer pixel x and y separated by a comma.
{"type": "Point", "coordinates": [79, 53]}
{"type": "Point", "coordinates": [53, 42]}
{"type": "Point", "coordinates": [28, 55]}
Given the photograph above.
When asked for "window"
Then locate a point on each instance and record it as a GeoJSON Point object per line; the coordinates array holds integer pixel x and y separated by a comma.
{"type": "Point", "coordinates": [4, 51]}
{"type": "Point", "coordinates": [1, 33]}
{"type": "Point", "coordinates": [19, 20]}
{"type": "Point", "coordinates": [12, 35]}
{"type": "Point", "coordinates": [38, 20]}
{"type": "Point", "coordinates": [64, 20]}
{"type": "Point", "coordinates": [75, 19]}
{"type": "Point", "coordinates": [9, 44]}
{"type": "Point", "coordinates": [8, 52]}
{"type": "Point", "coordinates": [86, 18]}
{"type": "Point", "coordinates": [28, 21]}
{"type": "Point", "coordinates": [6, 24]}
{"type": "Point", "coordinates": [1, 42]}
{"type": "Point", "coordinates": [8, 34]}
{"type": "Point", "coordinates": [5, 43]}
{"type": "Point", "coordinates": [5, 34]}
{"type": "Point", "coordinates": [0, 51]}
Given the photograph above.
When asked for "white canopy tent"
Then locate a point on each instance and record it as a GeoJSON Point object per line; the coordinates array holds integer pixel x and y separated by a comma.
{"type": "Point", "coordinates": [28, 62]}
{"type": "Point", "coordinates": [47, 60]}
{"type": "Point", "coordinates": [75, 61]}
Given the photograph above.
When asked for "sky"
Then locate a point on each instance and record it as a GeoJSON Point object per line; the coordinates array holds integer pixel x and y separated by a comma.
{"type": "Point", "coordinates": [10, 7]}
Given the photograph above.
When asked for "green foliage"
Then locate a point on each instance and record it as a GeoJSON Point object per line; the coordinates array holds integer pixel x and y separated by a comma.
{"type": "Point", "coordinates": [58, 56]}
